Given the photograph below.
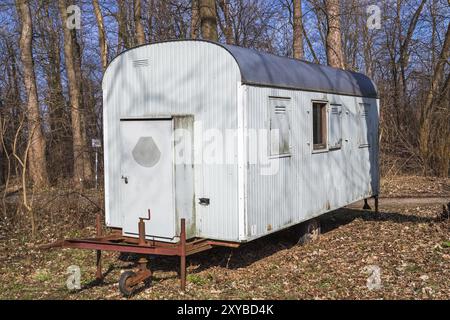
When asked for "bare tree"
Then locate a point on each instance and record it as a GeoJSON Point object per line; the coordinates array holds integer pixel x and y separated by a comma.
{"type": "Point", "coordinates": [37, 145]}
{"type": "Point", "coordinates": [79, 144]}
{"type": "Point", "coordinates": [77, 58]}
{"type": "Point", "coordinates": [195, 19]}
{"type": "Point", "coordinates": [404, 46]}
{"type": "Point", "coordinates": [101, 34]}
{"type": "Point", "coordinates": [335, 55]}
{"type": "Point", "coordinates": [121, 17]}
{"type": "Point", "coordinates": [298, 30]}
{"type": "Point", "coordinates": [140, 35]}
{"type": "Point", "coordinates": [208, 20]}
{"type": "Point", "coordinates": [228, 28]}
{"type": "Point", "coordinates": [405, 59]}
{"type": "Point", "coordinates": [431, 97]}
{"type": "Point", "coordinates": [59, 133]}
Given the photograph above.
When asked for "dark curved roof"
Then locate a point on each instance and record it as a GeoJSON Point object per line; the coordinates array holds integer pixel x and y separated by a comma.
{"type": "Point", "coordinates": [266, 69]}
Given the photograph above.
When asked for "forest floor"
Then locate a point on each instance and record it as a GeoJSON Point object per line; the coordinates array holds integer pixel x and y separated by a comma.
{"type": "Point", "coordinates": [406, 242]}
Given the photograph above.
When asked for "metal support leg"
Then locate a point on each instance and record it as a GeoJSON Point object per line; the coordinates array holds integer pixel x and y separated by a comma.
{"type": "Point", "coordinates": [366, 205]}
{"type": "Point", "coordinates": [141, 228]}
{"type": "Point", "coordinates": [98, 274]}
{"type": "Point", "coordinates": [376, 204]}
{"type": "Point", "coordinates": [183, 255]}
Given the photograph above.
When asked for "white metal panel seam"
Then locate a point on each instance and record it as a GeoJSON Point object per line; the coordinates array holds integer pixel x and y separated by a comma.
{"type": "Point", "coordinates": [105, 160]}
{"type": "Point", "coordinates": [242, 159]}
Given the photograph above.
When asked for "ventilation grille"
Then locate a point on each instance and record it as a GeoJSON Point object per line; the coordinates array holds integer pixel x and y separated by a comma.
{"type": "Point", "coordinates": [335, 110]}
{"type": "Point", "coordinates": [140, 63]}
{"type": "Point", "coordinates": [280, 109]}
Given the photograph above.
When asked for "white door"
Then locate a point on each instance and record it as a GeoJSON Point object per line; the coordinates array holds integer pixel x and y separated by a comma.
{"type": "Point", "coordinates": [147, 177]}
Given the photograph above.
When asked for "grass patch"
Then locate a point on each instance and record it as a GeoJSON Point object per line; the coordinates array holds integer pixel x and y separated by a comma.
{"type": "Point", "coordinates": [197, 279]}
{"type": "Point", "coordinates": [42, 275]}
{"type": "Point", "coordinates": [412, 268]}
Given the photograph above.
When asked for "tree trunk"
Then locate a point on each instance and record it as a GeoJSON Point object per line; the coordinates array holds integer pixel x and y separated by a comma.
{"type": "Point", "coordinates": [140, 35]}
{"type": "Point", "coordinates": [298, 30]}
{"type": "Point", "coordinates": [311, 48]}
{"type": "Point", "coordinates": [335, 55]}
{"type": "Point", "coordinates": [195, 19]}
{"type": "Point", "coordinates": [228, 26]}
{"type": "Point", "coordinates": [208, 20]}
{"type": "Point", "coordinates": [37, 161]}
{"type": "Point", "coordinates": [58, 137]}
{"type": "Point", "coordinates": [404, 46]}
{"type": "Point", "coordinates": [101, 34]}
{"type": "Point", "coordinates": [150, 24]}
{"type": "Point", "coordinates": [75, 99]}
{"type": "Point", "coordinates": [427, 109]}
{"type": "Point", "coordinates": [124, 39]}
{"type": "Point", "coordinates": [77, 58]}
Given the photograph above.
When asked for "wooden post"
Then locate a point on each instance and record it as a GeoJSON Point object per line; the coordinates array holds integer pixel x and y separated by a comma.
{"type": "Point", "coordinates": [98, 274]}
{"type": "Point", "coordinates": [183, 255]}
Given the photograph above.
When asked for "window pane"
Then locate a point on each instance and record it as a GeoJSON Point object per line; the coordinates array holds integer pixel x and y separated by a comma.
{"type": "Point", "coordinates": [319, 125]}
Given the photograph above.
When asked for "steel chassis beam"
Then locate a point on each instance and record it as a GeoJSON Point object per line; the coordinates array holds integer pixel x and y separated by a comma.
{"type": "Point", "coordinates": [116, 242]}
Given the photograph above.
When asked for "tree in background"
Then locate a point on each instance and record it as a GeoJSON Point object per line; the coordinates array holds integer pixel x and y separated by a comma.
{"type": "Point", "coordinates": [80, 168]}
{"type": "Point", "coordinates": [208, 20]}
{"type": "Point", "coordinates": [404, 57]}
{"type": "Point", "coordinates": [431, 125]}
{"type": "Point", "coordinates": [37, 145]}
{"type": "Point", "coordinates": [298, 30]}
{"type": "Point", "coordinates": [124, 39]}
{"type": "Point", "coordinates": [227, 27]}
{"type": "Point", "coordinates": [140, 35]}
{"type": "Point", "coordinates": [335, 55]}
{"type": "Point", "coordinates": [101, 34]}
{"type": "Point", "coordinates": [195, 19]}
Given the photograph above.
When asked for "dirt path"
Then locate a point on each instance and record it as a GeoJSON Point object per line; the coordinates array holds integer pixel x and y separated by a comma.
{"type": "Point", "coordinates": [404, 201]}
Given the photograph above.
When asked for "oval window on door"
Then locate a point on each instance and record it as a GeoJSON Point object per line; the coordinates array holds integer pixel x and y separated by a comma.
{"type": "Point", "coordinates": [146, 153]}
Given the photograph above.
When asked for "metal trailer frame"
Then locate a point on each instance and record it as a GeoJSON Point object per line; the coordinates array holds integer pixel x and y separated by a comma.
{"type": "Point", "coordinates": [116, 242]}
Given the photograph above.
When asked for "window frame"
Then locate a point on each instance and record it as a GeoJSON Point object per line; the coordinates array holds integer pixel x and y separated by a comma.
{"type": "Point", "coordinates": [271, 101]}
{"type": "Point", "coordinates": [322, 147]}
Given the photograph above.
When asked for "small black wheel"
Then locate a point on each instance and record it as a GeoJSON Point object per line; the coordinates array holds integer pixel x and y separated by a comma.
{"type": "Point", "coordinates": [309, 231]}
{"type": "Point", "coordinates": [124, 283]}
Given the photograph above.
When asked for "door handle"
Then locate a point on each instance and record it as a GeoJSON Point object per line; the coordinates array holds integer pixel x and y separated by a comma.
{"type": "Point", "coordinates": [125, 179]}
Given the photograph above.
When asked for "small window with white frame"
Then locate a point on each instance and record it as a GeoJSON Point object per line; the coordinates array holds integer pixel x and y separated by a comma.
{"type": "Point", "coordinates": [279, 126]}
{"type": "Point", "coordinates": [319, 125]}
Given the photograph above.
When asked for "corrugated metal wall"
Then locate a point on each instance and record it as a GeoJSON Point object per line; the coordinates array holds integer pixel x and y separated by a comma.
{"type": "Point", "coordinates": [309, 184]}
{"type": "Point", "coordinates": [201, 79]}
{"type": "Point", "coordinates": [168, 79]}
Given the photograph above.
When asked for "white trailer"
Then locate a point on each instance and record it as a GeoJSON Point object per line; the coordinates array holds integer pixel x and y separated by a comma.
{"type": "Point", "coordinates": [237, 142]}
